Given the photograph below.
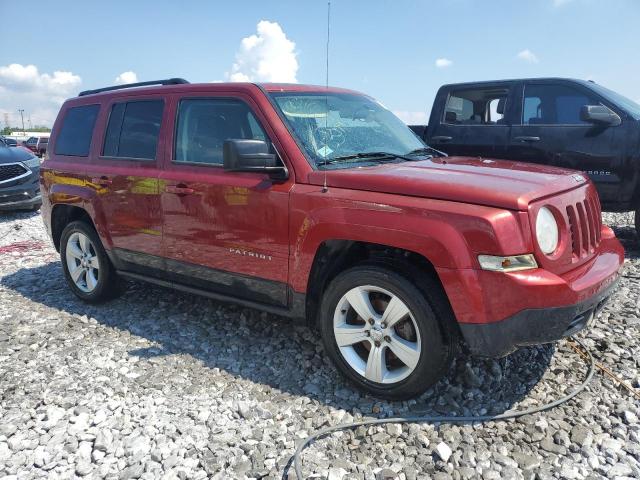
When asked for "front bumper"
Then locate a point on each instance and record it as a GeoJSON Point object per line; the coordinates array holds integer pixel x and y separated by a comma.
{"type": "Point", "coordinates": [24, 194]}
{"type": "Point", "coordinates": [500, 312]}
{"type": "Point", "coordinates": [533, 326]}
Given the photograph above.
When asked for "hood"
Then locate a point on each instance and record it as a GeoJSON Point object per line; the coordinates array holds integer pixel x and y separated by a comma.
{"type": "Point", "coordinates": [14, 154]}
{"type": "Point", "coordinates": [481, 181]}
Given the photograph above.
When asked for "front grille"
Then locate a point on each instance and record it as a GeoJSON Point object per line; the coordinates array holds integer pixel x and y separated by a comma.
{"type": "Point", "coordinates": [7, 172]}
{"type": "Point", "coordinates": [585, 224]}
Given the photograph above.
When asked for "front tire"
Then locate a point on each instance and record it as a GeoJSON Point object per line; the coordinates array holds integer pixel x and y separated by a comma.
{"type": "Point", "coordinates": [385, 334]}
{"type": "Point", "coordinates": [86, 265]}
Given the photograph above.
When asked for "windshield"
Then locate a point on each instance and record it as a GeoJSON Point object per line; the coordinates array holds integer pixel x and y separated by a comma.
{"type": "Point", "coordinates": [631, 107]}
{"type": "Point", "coordinates": [335, 125]}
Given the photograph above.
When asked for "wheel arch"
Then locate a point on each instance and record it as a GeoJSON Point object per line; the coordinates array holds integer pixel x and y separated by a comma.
{"type": "Point", "coordinates": [334, 256]}
{"type": "Point", "coordinates": [62, 215]}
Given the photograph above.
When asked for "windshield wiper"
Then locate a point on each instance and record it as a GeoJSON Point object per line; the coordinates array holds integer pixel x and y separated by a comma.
{"type": "Point", "coordinates": [427, 150]}
{"type": "Point", "coordinates": [377, 156]}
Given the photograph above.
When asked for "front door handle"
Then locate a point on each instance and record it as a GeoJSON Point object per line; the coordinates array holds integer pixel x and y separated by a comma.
{"type": "Point", "coordinates": [441, 138]}
{"type": "Point", "coordinates": [179, 189]}
{"type": "Point", "coordinates": [527, 139]}
{"type": "Point", "coordinates": [104, 181]}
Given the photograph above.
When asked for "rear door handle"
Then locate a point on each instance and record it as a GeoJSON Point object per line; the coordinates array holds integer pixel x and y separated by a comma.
{"type": "Point", "coordinates": [179, 189]}
{"type": "Point", "coordinates": [441, 138]}
{"type": "Point", "coordinates": [527, 139]}
{"type": "Point", "coordinates": [104, 181]}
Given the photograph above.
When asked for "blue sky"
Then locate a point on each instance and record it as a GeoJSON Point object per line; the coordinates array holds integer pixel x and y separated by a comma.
{"type": "Point", "coordinates": [386, 49]}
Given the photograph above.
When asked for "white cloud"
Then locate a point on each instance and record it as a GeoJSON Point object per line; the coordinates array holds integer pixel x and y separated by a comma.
{"type": "Point", "coordinates": [412, 118]}
{"type": "Point", "coordinates": [268, 56]}
{"type": "Point", "coordinates": [443, 63]}
{"type": "Point", "coordinates": [528, 56]}
{"type": "Point", "coordinates": [126, 77]}
{"type": "Point", "coordinates": [39, 94]}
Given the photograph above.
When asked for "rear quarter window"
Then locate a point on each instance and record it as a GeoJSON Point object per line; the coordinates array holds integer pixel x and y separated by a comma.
{"type": "Point", "coordinates": [76, 131]}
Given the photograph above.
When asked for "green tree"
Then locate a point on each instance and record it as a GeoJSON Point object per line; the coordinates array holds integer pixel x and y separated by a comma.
{"type": "Point", "coordinates": [5, 131]}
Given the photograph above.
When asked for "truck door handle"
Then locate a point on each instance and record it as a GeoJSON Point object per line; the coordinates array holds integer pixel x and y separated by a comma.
{"type": "Point", "coordinates": [180, 189]}
{"type": "Point", "coordinates": [104, 181]}
{"type": "Point", "coordinates": [527, 139]}
{"type": "Point", "coordinates": [441, 138]}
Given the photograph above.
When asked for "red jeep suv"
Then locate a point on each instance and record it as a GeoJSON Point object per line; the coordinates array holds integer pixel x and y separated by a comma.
{"type": "Point", "coordinates": [318, 203]}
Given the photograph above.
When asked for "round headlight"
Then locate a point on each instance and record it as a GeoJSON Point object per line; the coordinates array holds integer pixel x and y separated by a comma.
{"type": "Point", "coordinates": [546, 231]}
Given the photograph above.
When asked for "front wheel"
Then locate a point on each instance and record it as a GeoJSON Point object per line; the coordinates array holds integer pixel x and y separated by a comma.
{"type": "Point", "coordinates": [383, 333]}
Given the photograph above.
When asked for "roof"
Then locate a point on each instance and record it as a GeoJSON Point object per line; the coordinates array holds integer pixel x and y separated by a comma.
{"type": "Point", "coordinates": [511, 80]}
{"type": "Point", "coordinates": [181, 85]}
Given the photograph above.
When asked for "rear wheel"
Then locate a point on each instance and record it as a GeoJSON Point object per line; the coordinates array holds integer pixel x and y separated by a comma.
{"type": "Point", "coordinates": [383, 333]}
{"type": "Point", "coordinates": [86, 265]}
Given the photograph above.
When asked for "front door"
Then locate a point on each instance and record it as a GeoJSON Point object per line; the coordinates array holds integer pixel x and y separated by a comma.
{"type": "Point", "coordinates": [551, 132]}
{"type": "Point", "coordinates": [125, 176]}
{"type": "Point", "coordinates": [225, 232]}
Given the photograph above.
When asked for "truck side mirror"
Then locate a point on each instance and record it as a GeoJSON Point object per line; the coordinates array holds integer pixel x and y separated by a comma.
{"type": "Point", "coordinates": [599, 114]}
{"type": "Point", "coordinates": [251, 156]}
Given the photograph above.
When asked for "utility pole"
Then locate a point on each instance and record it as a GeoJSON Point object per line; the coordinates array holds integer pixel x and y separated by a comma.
{"type": "Point", "coordinates": [21, 110]}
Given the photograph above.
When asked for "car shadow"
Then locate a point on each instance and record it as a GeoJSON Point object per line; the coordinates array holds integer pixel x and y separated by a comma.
{"type": "Point", "coordinates": [236, 339]}
{"type": "Point", "coordinates": [13, 215]}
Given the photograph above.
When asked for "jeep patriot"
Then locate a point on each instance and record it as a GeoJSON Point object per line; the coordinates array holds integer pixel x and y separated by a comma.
{"type": "Point", "coordinates": [319, 204]}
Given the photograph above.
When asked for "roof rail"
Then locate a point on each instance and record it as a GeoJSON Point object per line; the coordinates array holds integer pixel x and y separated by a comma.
{"type": "Point", "coordinates": [168, 81]}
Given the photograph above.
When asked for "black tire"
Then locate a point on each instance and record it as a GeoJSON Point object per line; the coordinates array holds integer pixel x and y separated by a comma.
{"type": "Point", "coordinates": [107, 285]}
{"type": "Point", "coordinates": [429, 308]}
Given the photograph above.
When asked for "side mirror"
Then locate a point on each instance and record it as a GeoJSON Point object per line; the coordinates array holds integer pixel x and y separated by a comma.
{"type": "Point", "coordinates": [251, 156]}
{"type": "Point", "coordinates": [599, 114]}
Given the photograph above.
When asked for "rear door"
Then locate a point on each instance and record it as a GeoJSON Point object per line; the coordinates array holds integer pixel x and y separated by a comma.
{"type": "Point", "coordinates": [472, 120]}
{"type": "Point", "coordinates": [225, 232]}
{"type": "Point", "coordinates": [549, 131]}
{"type": "Point", "coordinates": [124, 173]}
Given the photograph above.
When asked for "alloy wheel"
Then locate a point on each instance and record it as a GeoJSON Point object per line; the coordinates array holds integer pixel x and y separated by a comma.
{"type": "Point", "coordinates": [82, 262]}
{"type": "Point", "coordinates": [377, 334]}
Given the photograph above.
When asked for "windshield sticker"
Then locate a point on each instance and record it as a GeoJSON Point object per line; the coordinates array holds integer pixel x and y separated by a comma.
{"type": "Point", "coordinates": [324, 151]}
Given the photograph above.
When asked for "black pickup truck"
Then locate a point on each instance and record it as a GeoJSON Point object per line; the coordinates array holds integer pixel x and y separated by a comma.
{"type": "Point", "coordinates": [555, 121]}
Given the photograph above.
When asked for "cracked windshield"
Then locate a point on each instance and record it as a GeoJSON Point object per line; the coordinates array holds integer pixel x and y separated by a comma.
{"type": "Point", "coordinates": [338, 130]}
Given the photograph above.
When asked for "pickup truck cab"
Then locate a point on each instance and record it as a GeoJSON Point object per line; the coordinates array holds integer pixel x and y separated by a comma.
{"type": "Point", "coordinates": [319, 204]}
{"type": "Point", "coordinates": [568, 123]}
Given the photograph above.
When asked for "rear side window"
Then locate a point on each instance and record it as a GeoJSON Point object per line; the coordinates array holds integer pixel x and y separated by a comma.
{"type": "Point", "coordinates": [133, 130]}
{"type": "Point", "coordinates": [554, 105]}
{"type": "Point", "coordinates": [205, 124]}
{"type": "Point", "coordinates": [76, 131]}
{"type": "Point", "coordinates": [478, 106]}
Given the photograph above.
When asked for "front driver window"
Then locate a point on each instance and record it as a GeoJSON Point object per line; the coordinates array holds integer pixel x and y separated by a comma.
{"type": "Point", "coordinates": [554, 105]}
{"type": "Point", "coordinates": [204, 124]}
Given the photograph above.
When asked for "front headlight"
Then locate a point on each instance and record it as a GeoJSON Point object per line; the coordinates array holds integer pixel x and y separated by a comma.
{"type": "Point", "coordinates": [546, 231]}
{"type": "Point", "coordinates": [33, 162]}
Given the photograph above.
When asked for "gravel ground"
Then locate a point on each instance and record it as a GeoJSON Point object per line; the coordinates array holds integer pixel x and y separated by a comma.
{"type": "Point", "coordinates": [164, 384]}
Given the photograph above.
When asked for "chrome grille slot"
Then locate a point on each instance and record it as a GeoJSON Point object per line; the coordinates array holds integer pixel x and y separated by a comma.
{"type": "Point", "coordinates": [10, 171]}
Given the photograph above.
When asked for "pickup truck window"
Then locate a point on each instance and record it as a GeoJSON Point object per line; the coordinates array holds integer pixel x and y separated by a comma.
{"type": "Point", "coordinates": [205, 123]}
{"type": "Point", "coordinates": [554, 105]}
{"type": "Point", "coordinates": [481, 106]}
{"type": "Point", "coordinates": [334, 125]}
